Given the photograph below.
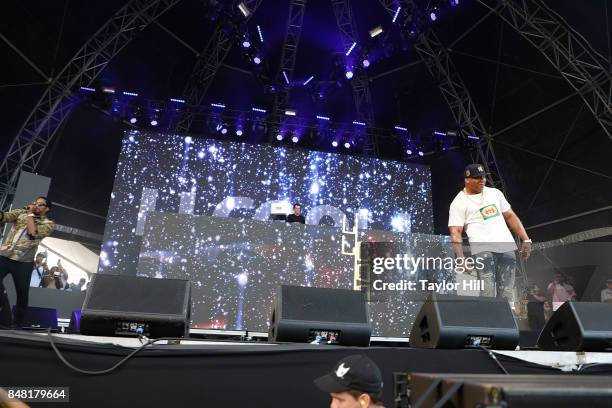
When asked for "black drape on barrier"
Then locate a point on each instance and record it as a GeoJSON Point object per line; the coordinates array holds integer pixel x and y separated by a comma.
{"type": "Point", "coordinates": [224, 375]}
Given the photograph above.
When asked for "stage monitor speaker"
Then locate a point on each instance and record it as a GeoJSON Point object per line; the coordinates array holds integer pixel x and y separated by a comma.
{"type": "Point", "coordinates": [39, 318]}
{"type": "Point", "coordinates": [325, 316]}
{"type": "Point", "coordinates": [448, 321]}
{"type": "Point", "coordinates": [118, 305]}
{"type": "Point", "coordinates": [578, 326]}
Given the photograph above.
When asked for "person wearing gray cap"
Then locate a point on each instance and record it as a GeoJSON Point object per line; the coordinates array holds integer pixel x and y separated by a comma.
{"type": "Point", "coordinates": [485, 215]}
{"type": "Point", "coordinates": [606, 294]}
{"type": "Point", "coordinates": [355, 382]}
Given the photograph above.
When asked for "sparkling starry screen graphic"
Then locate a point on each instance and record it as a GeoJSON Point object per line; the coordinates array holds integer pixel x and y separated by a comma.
{"type": "Point", "coordinates": [199, 209]}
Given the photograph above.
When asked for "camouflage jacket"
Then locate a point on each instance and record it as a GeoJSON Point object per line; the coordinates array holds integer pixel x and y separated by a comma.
{"type": "Point", "coordinates": [19, 245]}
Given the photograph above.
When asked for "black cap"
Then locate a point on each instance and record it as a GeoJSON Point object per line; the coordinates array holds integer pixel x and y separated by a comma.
{"type": "Point", "coordinates": [352, 373]}
{"type": "Point", "coordinates": [474, 170]}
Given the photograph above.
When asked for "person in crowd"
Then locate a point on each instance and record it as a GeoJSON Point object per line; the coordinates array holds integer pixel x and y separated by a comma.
{"type": "Point", "coordinates": [297, 214]}
{"type": "Point", "coordinates": [40, 269]}
{"type": "Point", "coordinates": [606, 294]}
{"type": "Point", "coordinates": [17, 252]}
{"type": "Point", "coordinates": [48, 282]}
{"type": "Point", "coordinates": [81, 284]}
{"type": "Point", "coordinates": [535, 308]}
{"type": "Point", "coordinates": [486, 216]}
{"type": "Point", "coordinates": [560, 290]}
{"type": "Point", "coordinates": [64, 285]}
{"type": "Point", "coordinates": [355, 382]}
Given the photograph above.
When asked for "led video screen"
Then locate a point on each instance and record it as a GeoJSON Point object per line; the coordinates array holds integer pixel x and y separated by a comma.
{"type": "Point", "coordinates": [159, 175]}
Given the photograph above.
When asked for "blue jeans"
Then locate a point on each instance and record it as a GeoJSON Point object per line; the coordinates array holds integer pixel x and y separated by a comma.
{"type": "Point", "coordinates": [498, 274]}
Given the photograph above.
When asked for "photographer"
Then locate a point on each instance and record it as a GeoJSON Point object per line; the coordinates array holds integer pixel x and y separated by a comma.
{"type": "Point", "coordinates": [30, 226]}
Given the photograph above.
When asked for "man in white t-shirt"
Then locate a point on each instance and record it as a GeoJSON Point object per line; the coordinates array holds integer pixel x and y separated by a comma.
{"type": "Point", "coordinates": [485, 215]}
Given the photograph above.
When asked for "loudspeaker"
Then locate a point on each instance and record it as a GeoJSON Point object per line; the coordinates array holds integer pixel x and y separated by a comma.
{"type": "Point", "coordinates": [448, 321]}
{"type": "Point", "coordinates": [118, 305]}
{"type": "Point", "coordinates": [578, 326]}
{"type": "Point", "coordinates": [331, 316]}
{"type": "Point", "coordinates": [39, 318]}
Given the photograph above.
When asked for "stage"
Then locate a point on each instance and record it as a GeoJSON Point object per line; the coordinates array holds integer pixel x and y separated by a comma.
{"type": "Point", "coordinates": [234, 373]}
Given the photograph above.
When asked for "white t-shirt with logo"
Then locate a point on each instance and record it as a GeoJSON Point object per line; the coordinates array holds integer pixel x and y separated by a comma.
{"type": "Point", "coordinates": [481, 216]}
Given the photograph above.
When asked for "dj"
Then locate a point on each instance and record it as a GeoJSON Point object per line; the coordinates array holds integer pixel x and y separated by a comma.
{"type": "Point", "coordinates": [297, 214]}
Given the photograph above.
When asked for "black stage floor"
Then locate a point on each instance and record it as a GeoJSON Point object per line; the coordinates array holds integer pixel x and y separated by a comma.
{"type": "Point", "coordinates": [227, 374]}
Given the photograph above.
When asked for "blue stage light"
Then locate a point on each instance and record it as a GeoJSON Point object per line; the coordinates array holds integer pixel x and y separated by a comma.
{"type": "Point", "coordinates": [133, 120]}
{"type": "Point", "coordinates": [153, 122]}
{"type": "Point", "coordinates": [409, 152]}
{"type": "Point", "coordinates": [246, 44]}
{"type": "Point", "coordinates": [365, 62]}
{"type": "Point", "coordinates": [279, 137]}
{"type": "Point", "coordinates": [351, 48]}
{"type": "Point", "coordinates": [260, 34]}
{"type": "Point", "coordinates": [177, 100]}
{"type": "Point", "coordinates": [403, 129]}
{"type": "Point", "coordinates": [347, 145]}
{"type": "Point", "coordinates": [323, 117]}
{"type": "Point", "coordinates": [87, 89]}
{"type": "Point", "coordinates": [433, 16]}
{"type": "Point", "coordinates": [286, 78]}
{"type": "Point", "coordinates": [421, 153]}
{"type": "Point", "coordinates": [239, 132]}
{"type": "Point", "coordinates": [217, 105]}
{"type": "Point", "coordinates": [258, 110]}
{"type": "Point", "coordinates": [396, 14]}
{"type": "Point", "coordinates": [349, 74]}
{"type": "Point", "coordinates": [356, 122]}
{"type": "Point", "coordinates": [126, 93]}
{"type": "Point", "coordinates": [295, 139]}
{"type": "Point", "coordinates": [290, 112]}
{"type": "Point", "coordinates": [308, 80]}
{"type": "Point", "coordinates": [454, 3]}
{"type": "Point", "coordinates": [335, 143]}
{"type": "Point", "coordinates": [257, 60]}
{"type": "Point", "coordinates": [224, 130]}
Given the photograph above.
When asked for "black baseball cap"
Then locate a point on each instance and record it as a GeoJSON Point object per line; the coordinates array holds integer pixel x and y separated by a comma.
{"type": "Point", "coordinates": [353, 373]}
{"type": "Point", "coordinates": [474, 170]}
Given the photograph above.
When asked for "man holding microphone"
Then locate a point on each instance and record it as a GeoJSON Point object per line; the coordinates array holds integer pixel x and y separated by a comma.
{"type": "Point", "coordinates": [30, 226]}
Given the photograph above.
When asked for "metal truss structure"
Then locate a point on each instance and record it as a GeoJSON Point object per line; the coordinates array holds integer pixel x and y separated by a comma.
{"type": "Point", "coordinates": [57, 101]}
{"type": "Point", "coordinates": [587, 71]}
{"type": "Point", "coordinates": [359, 82]}
{"type": "Point", "coordinates": [437, 59]}
{"type": "Point", "coordinates": [288, 55]}
{"type": "Point", "coordinates": [208, 63]}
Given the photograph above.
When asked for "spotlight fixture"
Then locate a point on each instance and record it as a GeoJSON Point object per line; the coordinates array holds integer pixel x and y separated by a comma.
{"type": "Point", "coordinates": [348, 74]}
{"type": "Point", "coordinates": [279, 137]}
{"type": "Point", "coordinates": [133, 120]}
{"type": "Point", "coordinates": [257, 60]}
{"type": "Point", "coordinates": [239, 132]}
{"type": "Point", "coordinates": [153, 122]}
{"type": "Point", "coordinates": [409, 152]}
{"type": "Point", "coordinates": [433, 16]}
{"type": "Point", "coordinates": [335, 143]}
{"type": "Point", "coordinates": [347, 145]}
{"type": "Point", "coordinates": [246, 44]}
{"type": "Point", "coordinates": [376, 31]}
{"type": "Point", "coordinates": [365, 62]}
{"type": "Point", "coordinates": [295, 139]}
{"type": "Point", "coordinates": [244, 9]}
{"type": "Point", "coordinates": [351, 48]}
